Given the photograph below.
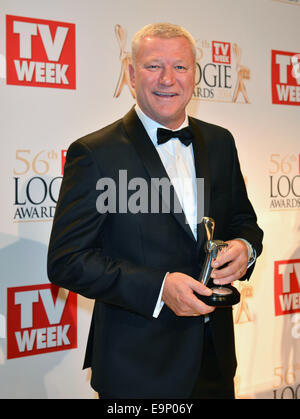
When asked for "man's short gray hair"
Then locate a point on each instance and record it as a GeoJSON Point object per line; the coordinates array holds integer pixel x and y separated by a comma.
{"type": "Point", "coordinates": [161, 30]}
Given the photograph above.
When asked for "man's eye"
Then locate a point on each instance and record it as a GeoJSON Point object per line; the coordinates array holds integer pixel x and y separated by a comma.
{"type": "Point", "coordinates": [153, 67]}
{"type": "Point", "coordinates": [180, 68]}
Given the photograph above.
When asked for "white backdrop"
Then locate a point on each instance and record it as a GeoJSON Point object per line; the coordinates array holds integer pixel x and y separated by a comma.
{"type": "Point", "coordinates": [60, 64]}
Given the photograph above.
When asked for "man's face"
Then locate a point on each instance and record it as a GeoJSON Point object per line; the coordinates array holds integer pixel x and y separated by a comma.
{"type": "Point", "coordinates": [164, 78]}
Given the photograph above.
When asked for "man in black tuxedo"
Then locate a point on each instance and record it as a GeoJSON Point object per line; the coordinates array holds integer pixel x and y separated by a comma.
{"type": "Point", "coordinates": [150, 336]}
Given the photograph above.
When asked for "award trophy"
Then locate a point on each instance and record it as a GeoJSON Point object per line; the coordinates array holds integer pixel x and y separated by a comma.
{"type": "Point", "coordinates": [223, 295]}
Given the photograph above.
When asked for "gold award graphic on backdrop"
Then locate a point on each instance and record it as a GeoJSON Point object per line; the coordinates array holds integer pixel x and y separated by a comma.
{"type": "Point", "coordinates": [125, 58]}
{"type": "Point", "coordinates": [243, 313]}
{"type": "Point", "coordinates": [220, 76]}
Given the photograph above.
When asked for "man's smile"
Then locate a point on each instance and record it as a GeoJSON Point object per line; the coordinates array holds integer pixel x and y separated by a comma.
{"type": "Point", "coordinates": [165, 94]}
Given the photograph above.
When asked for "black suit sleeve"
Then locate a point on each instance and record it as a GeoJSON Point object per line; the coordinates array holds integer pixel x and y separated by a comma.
{"type": "Point", "coordinates": [75, 256]}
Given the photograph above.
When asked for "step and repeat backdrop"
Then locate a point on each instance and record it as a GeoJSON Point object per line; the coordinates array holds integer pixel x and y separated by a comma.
{"type": "Point", "coordinates": [63, 74]}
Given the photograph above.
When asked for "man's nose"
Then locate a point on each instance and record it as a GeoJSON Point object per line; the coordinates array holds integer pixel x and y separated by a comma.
{"type": "Point", "coordinates": [167, 76]}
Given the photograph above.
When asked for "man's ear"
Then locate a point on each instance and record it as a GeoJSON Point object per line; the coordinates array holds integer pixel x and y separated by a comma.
{"type": "Point", "coordinates": [132, 75]}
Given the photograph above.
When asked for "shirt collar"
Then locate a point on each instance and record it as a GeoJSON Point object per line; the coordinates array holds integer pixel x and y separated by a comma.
{"type": "Point", "coordinates": [151, 126]}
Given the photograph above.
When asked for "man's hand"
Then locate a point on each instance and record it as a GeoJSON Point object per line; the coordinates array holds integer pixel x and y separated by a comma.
{"type": "Point", "coordinates": [178, 295]}
{"type": "Point", "coordinates": [236, 257]}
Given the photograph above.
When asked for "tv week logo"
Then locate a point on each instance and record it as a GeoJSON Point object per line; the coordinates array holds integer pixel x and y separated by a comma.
{"type": "Point", "coordinates": [40, 53]}
{"type": "Point", "coordinates": [221, 52]}
{"type": "Point", "coordinates": [40, 319]}
{"type": "Point", "coordinates": [285, 78]}
{"type": "Point", "coordinates": [287, 286]}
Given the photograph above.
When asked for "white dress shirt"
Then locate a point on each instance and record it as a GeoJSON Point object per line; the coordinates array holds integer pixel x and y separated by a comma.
{"type": "Point", "coordinates": [178, 161]}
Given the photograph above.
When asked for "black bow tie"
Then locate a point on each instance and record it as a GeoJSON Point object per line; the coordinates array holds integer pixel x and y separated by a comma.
{"type": "Point", "coordinates": [185, 135]}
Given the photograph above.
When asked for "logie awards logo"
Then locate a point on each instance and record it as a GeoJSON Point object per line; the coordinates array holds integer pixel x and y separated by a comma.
{"type": "Point", "coordinates": [220, 74]}
{"type": "Point", "coordinates": [284, 181]}
{"type": "Point", "coordinates": [37, 176]}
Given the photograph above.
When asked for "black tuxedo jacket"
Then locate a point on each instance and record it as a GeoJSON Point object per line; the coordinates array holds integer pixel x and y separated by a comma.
{"type": "Point", "coordinates": [120, 258]}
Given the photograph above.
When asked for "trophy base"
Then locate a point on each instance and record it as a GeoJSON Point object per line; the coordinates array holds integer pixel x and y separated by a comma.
{"type": "Point", "coordinates": [222, 296]}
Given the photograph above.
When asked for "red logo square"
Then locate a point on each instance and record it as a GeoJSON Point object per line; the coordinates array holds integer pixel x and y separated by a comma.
{"type": "Point", "coordinates": [287, 286]}
{"type": "Point", "coordinates": [63, 160]}
{"type": "Point", "coordinates": [40, 53]}
{"type": "Point", "coordinates": [285, 78]}
{"type": "Point", "coordinates": [221, 52]}
{"type": "Point", "coordinates": [40, 319]}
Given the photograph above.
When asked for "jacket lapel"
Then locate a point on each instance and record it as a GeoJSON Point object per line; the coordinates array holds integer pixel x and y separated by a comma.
{"type": "Point", "coordinates": [202, 172]}
{"type": "Point", "coordinates": [152, 163]}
